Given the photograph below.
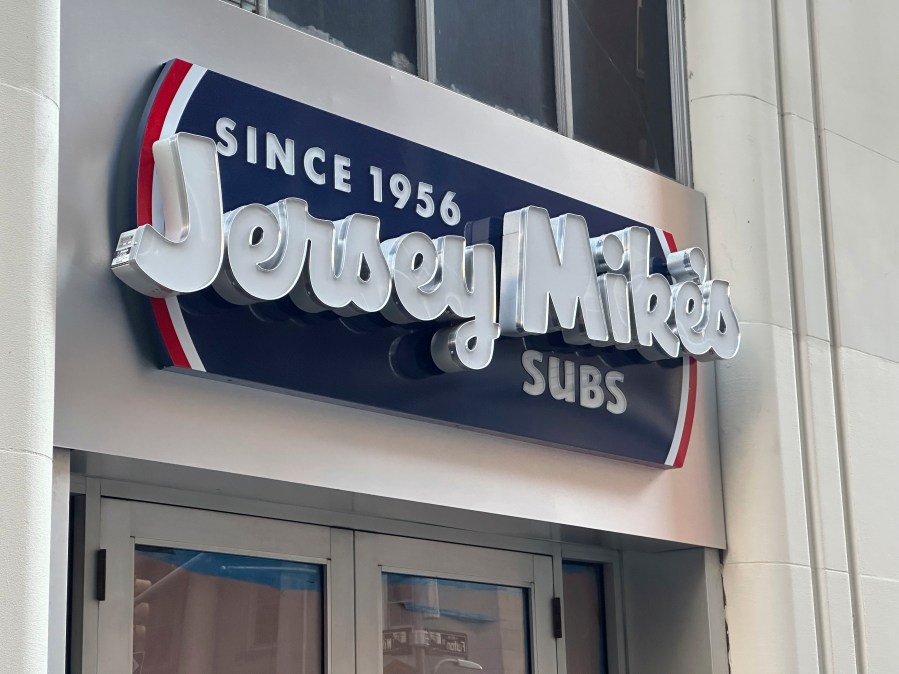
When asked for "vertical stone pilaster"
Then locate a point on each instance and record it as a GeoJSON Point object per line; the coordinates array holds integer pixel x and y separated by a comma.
{"type": "Point", "coordinates": [29, 141]}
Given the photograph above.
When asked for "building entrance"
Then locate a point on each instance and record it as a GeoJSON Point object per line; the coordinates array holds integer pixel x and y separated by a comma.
{"type": "Point", "coordinates": [197, 592]}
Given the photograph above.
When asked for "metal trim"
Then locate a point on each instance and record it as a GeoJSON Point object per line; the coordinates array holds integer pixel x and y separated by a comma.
{"type": "Point", "coordinates": [426, 39]}
{"type": "Point", "coordinates": [680, 113]}
{"type": "Point", "coordinates": [562, 52]}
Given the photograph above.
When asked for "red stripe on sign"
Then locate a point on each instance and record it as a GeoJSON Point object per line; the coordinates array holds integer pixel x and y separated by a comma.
{"type": "Point", "coordinates": [155, 119]}
{"type": "Point", "coordinates": [669, 237]}
{"type": "Point", "coordinates": [692, 387]}
{"type": "Point", "coordinates": [167, 90]}
{"type": "Point", "coordinates": [167, 331]}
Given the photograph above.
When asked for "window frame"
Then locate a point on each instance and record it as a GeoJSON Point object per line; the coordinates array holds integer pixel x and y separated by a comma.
{"type": "Point", "coordinates": [427, 70]}
{"type": "Point", "coordinates": [377, 554]}
{"type": "Point", "coordinates": [613, 591]}
{"type": "Point", "coordinates": [119, 501]}
{"type": "Point", "coordinates": [125, 524]}
{"type": "Point", "coordinates": [677, 65]}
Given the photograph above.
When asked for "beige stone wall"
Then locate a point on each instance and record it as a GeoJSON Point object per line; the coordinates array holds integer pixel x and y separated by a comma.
{"type": "Point", "coordinates": [29, 141]}
{"type": "Point", "coordinates": [795, 129]}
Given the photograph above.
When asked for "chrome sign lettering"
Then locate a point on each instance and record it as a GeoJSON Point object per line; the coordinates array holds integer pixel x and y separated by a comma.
{"type": "Point", "coordinates": [262, 253]}
{"type": "Point", "coordinates": [600, 291]}
{"type": "Point", "coordinates": [597, 291]}
{"type": "Point", "coordinates": [280, 245]}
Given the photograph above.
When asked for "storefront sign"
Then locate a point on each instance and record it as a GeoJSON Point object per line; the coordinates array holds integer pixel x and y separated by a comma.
{"type": "Point", "coordinates": [287, 247]}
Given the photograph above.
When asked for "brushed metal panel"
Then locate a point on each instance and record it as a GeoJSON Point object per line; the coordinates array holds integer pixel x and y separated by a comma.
{"type": "Point", "coordinates": [112, 399]}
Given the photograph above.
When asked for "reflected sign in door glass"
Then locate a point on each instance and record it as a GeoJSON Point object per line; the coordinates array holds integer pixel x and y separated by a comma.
{"type": "Point", "coordinates": [214, 613]}
{"type": "Point", "coordinates": [384, 30]}
{"type": "Point", "coordinates": [439, 626]}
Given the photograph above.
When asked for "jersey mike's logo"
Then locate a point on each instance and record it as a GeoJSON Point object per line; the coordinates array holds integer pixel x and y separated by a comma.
{"type": "Point", "coordinates": [597, 291]}
{"type": "Point", "coordinates": [292, 257]}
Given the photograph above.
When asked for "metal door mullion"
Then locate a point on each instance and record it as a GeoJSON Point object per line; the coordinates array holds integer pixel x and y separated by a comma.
{"type": "Point", "coordinates": [562, 54]}
{"type": "Point", "coordinates": [427, 38]}
{"type": "Point", "coordinates": [683, 161]}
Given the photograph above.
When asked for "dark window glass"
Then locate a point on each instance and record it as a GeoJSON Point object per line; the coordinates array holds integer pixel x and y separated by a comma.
{"type": "Point", "coordinates": [383, 30]}
{"type": "Point", "coordinates": [499, 52]}
{"type": "Point", "coordinates": [621, 80]}
{"type": "Point", "coordinates": [502, 52]}
{"type": "Point", "coordinates": [585, 624]}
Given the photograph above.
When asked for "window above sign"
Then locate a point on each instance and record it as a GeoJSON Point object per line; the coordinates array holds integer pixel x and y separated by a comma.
{"type": "Point", "coordinates": [608, 73]}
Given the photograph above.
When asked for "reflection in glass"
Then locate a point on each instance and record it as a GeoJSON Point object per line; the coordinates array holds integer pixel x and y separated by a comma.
{"type": "Point", "coordinates": [621, 79]}
{"type": "Point", "coordinates": [499, 52]}
{"type": "Point", "coordinates": [251, 5]}
{"type": "Point", "coordinates": [585, 624]}
{"type": "Point", "coordinates": [383, 30]}
{"type": "Point", "coordinates": [212, 613]}
{"type": "Point", "coordinates": [438, 626]}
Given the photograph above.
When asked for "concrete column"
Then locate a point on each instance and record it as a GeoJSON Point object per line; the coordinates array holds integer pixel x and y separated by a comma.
{"type": "Point", "coordinates": [797, 149]}
{"type": "Point", "coordinates": [29, 140]}
{"type": "Point", "coordinates": [855, 57]}
{"type": "Point", "coordinates": [738, 151]}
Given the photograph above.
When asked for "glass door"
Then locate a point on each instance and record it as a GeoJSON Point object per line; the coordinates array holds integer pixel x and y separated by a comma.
{"type": "Point", "coordinates": [197, 592]}
{"type": "Point", "coordinates": [425, 607]}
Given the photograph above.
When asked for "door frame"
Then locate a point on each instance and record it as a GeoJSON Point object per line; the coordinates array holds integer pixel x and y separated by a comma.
{"type": "Point", "coordinates": [377, 554]}
{"type": "Point", "coordinates": [449, 526]}
{"type": "Point", "coordinates": [611, 563]}
{"type": "Point", "coordinates": [124, 524]}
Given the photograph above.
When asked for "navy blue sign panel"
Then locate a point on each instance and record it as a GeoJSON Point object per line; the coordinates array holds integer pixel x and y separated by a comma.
{"type": "Point", "coordinates": [270, 148]}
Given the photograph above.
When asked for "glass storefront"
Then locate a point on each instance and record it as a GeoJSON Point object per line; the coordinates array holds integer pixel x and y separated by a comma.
{"type": "Point", "coordinates": [201, 592]}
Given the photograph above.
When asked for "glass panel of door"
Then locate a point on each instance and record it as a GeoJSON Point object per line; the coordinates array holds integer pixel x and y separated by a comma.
{"type": "Point", "coordinates": [433, 625]}
{"type": "Point", "coordinates": [427, 607]}
{"type": "Point", "coordinates": [200, 611]}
